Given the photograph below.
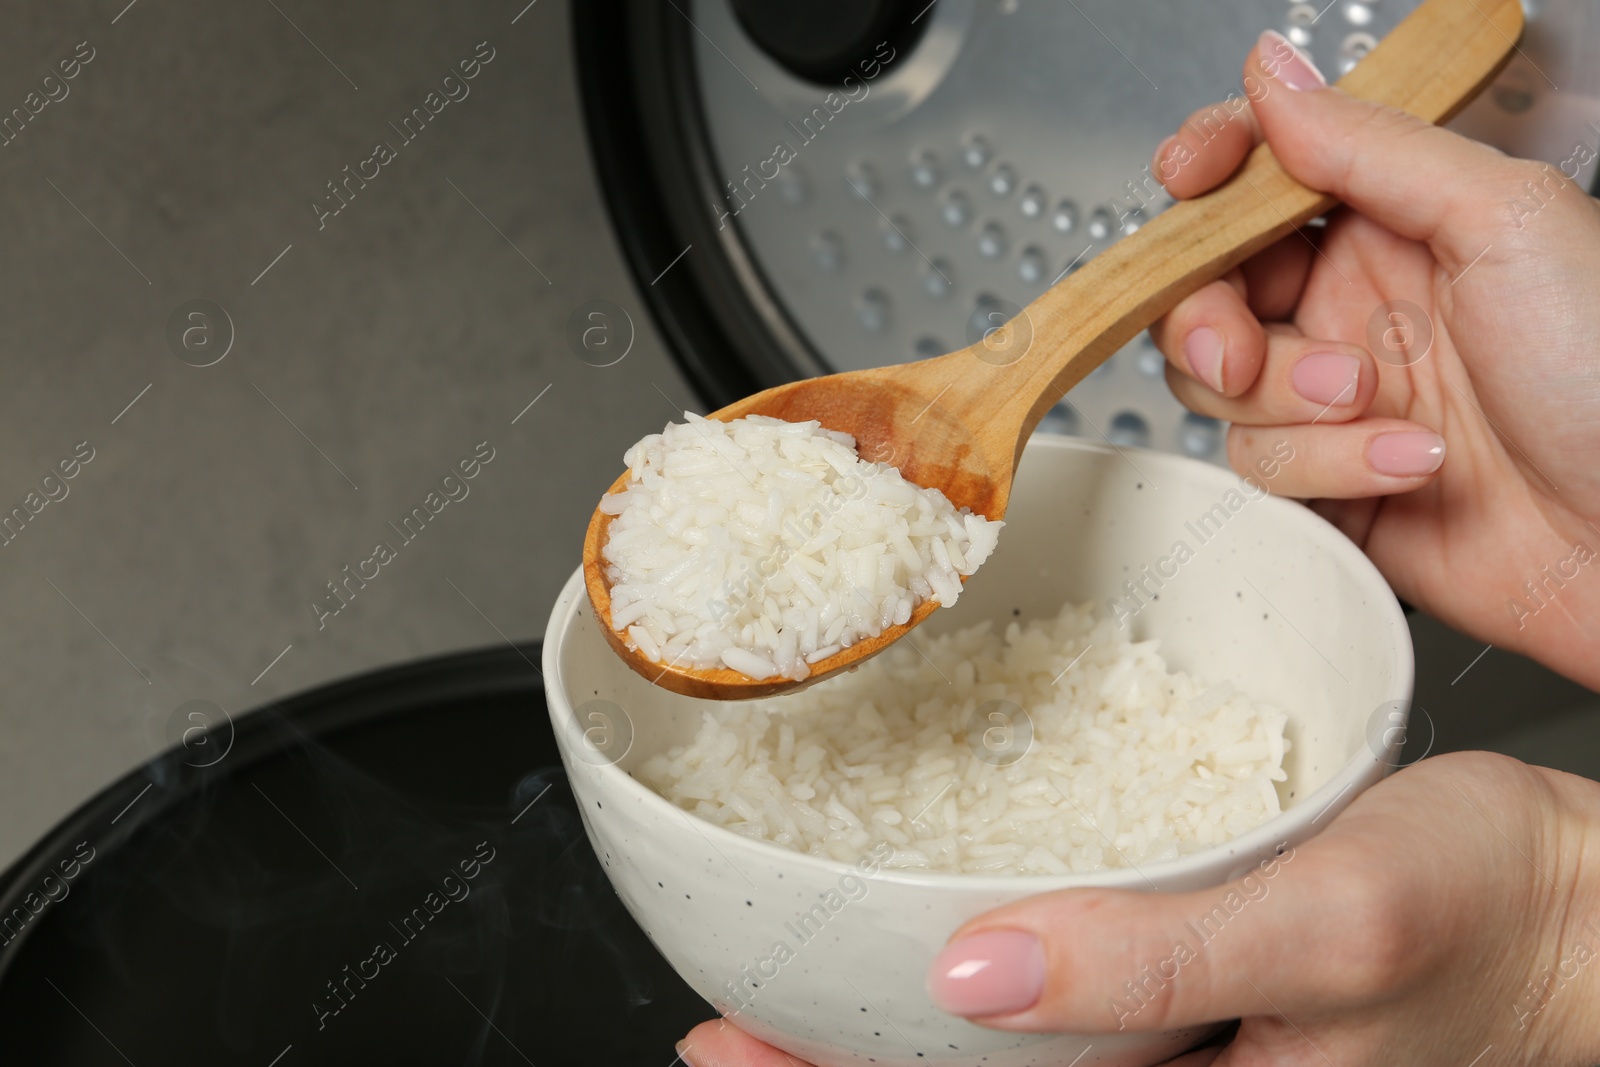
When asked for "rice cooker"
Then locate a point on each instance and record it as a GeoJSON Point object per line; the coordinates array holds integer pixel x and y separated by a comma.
{"type": "Point", "coordinates": [825, 185]}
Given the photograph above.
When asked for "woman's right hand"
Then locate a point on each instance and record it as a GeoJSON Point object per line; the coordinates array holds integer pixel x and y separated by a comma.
{"type": "Point", "coordinates": [1452, 911]}
{"type": "Point", "coordinates": [1471, 476]}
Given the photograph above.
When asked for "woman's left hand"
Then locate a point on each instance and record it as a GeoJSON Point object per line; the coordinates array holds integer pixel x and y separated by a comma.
{"type": "Point", "coordinates": [1450, 916]}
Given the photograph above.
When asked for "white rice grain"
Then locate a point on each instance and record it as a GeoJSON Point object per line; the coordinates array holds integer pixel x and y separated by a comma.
{"type": "Point", "coordinates": [766, 546]}
{"type": "Point", "coordinates": [1129, 763]}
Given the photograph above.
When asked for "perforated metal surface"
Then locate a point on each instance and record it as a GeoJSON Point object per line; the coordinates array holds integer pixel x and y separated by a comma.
{"type": "Point", "coordinates": [898, 216]}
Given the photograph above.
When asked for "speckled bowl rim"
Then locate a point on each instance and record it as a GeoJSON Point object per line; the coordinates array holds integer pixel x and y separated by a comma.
{"type": "Point", "coordinates": [1288, 824]}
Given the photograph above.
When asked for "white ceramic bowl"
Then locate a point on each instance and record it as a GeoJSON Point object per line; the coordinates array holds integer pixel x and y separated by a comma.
{"type": "Point", "coordinates": [1274, 599]}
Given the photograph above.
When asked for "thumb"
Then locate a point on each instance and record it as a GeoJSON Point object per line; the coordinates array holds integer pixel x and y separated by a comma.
{"type": "Point", "coordinates": [1419, 180]}
{"type": "Point", "coordinates": [1104, 960]}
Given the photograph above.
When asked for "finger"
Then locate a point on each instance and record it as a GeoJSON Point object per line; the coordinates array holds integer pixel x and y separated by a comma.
{"type": "Point", "coordinates": [1367, 457]}
{"type": "Point", "coordinates": [1302, 380]}
{"type": "Point", "coordinates": [1275, 277]}
{"type": "Point", "coordinates": [1417, 179]}
{"type": "Point", "coordinates": [719, 1043]}
{"type": "Point", "coordinates": [1268, 285]}
{"type": "Point", "coordinates": [1104, 960]}
{"type": "Point", "coordinates": [1353, 518]}
{"type": "Point", "coordinates": [1207, 147]}
{"type": "Point", "coordinates": [1389, 895]}
{"type": "Point", "coordinates": [1202, 1058]}
{"type": "Point", "coordinates": [1213, 337]}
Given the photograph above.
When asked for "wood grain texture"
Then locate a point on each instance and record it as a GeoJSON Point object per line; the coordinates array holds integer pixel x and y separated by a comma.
{"type": "Point", "coordinates": [958, 422]}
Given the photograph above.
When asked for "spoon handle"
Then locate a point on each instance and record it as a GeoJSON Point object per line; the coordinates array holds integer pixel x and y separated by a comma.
{"type": "Point", "coordinates": [1431, 65]}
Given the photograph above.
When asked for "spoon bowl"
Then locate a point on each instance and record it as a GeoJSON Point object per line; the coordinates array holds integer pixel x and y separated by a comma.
{"type": "Point", "coordinates": [957, 423]}
{"type": "Point", "coordinates": [893, 422]}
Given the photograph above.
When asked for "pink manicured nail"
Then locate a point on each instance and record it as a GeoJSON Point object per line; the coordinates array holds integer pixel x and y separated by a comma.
{"type": "Point", "coordinates": [1327, 378]}
{"type": "Point", "coordinates": [1406, 455]}
{"type": "Point", "coordinates": [996, 973]}
{"type": "Point", "coordinates": [1203, 349]}
{"type": "Point", "coordinates": [1286, 63]}
{"type": "Point", "coordinates": [1163, 148]}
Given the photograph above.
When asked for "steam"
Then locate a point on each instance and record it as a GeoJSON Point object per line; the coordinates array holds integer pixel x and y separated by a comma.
{"type": "Point", "coordinates": [221, 855]}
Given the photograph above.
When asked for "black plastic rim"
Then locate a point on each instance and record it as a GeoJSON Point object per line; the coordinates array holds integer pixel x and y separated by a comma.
{"type": "Point", "coordinates": [259, 735]}
{"type": "Point", "coordinates": [221, 905]}
{"type": "Point", "coordinates": [723, 323]}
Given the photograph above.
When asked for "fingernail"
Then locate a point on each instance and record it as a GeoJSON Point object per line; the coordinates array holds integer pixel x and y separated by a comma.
{"type": "Point", "coordinates": [996, 973]}
{"type": "Point", "coordinates": [1203, 349]}
{"type": "Point", "coordinates": [1286, 63]}
{"type": "Point", "coordinates": [1406, 455]}
{"type": "Point", "coordinates": [1163, 148]}
{"type": "Point", "coordinates": [682, 1048]}
{"type": "Point", "coordinates": [1327, 378]}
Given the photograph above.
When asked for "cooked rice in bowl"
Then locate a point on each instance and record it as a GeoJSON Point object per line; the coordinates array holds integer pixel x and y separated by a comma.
{"type": "Point", "coordinates": [1055, 747]}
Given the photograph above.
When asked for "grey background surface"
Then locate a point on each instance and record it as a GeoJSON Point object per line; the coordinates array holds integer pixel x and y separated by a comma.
{"type": "Point", "coordinates": [396, 338]}
{"type": "Point", "coordinates": [374, 353]}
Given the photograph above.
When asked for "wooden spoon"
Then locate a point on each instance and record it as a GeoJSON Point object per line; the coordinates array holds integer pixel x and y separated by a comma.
{"type": "Point", "coordinates": [958, 422]}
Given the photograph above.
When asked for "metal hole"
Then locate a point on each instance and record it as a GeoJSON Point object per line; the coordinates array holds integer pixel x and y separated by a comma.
{"type": "Point", "coordinates": [1129, 430]}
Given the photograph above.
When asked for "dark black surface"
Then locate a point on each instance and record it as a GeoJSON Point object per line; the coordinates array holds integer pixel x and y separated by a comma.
{"type": "Point", "coordinates": [822, 40]}
{"type": "Point", "coordinates": [215, 909]}
{"type": "Point", "coordinates": [642, 114]}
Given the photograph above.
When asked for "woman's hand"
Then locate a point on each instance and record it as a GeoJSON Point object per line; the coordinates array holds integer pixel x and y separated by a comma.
{"type": "Point", "coordinates": [1471, 476]}
{"type": "Point", "coordinates": [1451, 915]}
{"type": "Point", "coordinates": [1452, 912]}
